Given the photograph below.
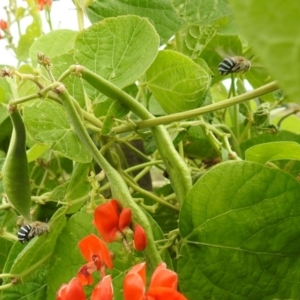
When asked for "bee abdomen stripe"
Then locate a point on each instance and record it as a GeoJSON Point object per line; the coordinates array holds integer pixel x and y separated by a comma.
{"type": "Point", "coordinates": [227, 62]}
{"type": "Point", "coordinates": [26, 228]}
{"type": "Point", "coordinates": [22, 234]}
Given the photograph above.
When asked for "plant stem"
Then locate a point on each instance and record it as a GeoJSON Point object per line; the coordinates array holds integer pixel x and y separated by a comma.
{"type": "Point", "coordinates": [118, 187]}
{"type": "Point", "coordinates": [270, 87]}
{"type": "Point", "coordinates": [148, 194]}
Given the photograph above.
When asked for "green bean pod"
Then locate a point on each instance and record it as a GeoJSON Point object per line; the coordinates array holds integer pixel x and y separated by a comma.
{"type": "Point", "coordinates": [16, 180]}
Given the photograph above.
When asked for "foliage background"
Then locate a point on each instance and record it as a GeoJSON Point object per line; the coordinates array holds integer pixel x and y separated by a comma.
{"type": "Point", "coordinates": [235, 235]}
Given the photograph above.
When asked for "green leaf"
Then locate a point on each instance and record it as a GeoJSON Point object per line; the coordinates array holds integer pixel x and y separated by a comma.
{"type": "Point", "coordinates": [282, 136]}
{"type": "Point", "coordinates": [73, 84]}
{"type": "Point", "coordinates": [47, 123]}
{"type": "Point", "coordinates": [177, 82]}
{"type": "Point", "coordinates": [39, 248]}
{"type": "Point", "coordinates": [261, 22]}
{"type": "Point", "coordinates": [32, 257]}
{"type": "Point", "coordinates": [241, 233]}
{"type": "Point", "coordinates": [292, 123]}
{"type": "Point", "coordinates": [78, 188]}
{"type": "Point", "coordinates": [202, 12]}
{"type": "Point", "coordinates": [5, 248]}
{"type": "Point", "coordinates": [161, 13]}
{"type": "Point", "coordinates": [36, 151]}
{"type": "Point", "coordinates": [33, 287]}
{"type": "Point", "coordinates": [197, 144]}
{"type": "Point", "coordinates": [55, 43]}
{"type": "Point", "coordinates": [194, 38]}
{"type": "Point", "coordinates": [119, 49]}
{"type": "Point", "coordinates": [24, 44]}
{"type": "Point", "coordinates": [273, 151]}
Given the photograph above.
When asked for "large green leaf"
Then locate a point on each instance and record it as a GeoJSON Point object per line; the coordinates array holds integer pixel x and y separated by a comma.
{"type": "Point", "coordinates": [55, 43]}
{"type": "Point", "coordinates": [240, 225]}
{"type": "Point", "coordinates": [177, 82]}
{"type": "Point", "coordinates": [119, 49]}
{"type": "Point", "coordinates": [273, 151]}
{"type": "Point", "coordinates": [160, 13]}
{"type": "Point", "coordinates": [270, 28]}
{"type": "Point", "coordinates": [47, 123]}
{"type": "Point", "coordinates": [195, 37]}
{"type": "Point", "coordinates": [267, 138]}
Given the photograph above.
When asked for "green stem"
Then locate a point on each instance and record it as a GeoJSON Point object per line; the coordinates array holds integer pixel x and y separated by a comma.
{"type": "Point", "coordinates": [80, 15]}
{"type": "Point", "coordinates": [177, 169]}
{"type": "Point", "coordinates": [8, 236]}
{"type": "Point", "coordinates": [270, 87]}
{"type": "Point", "coordinates": [6, 286]}
{"type": "Point", "coordinates": [8, 275]}
{"type": "Point", "coordinates": [143, 165]}
{"type": "Point", "coordinates": [140, 190]}
{"type": "Point", "coordinates": [235, 116]}
{"type": "Point", "coordinates": [118, 186]}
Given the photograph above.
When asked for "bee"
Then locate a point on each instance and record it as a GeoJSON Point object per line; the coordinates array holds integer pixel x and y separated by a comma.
{"type": "Point", "coordinates": [29, 231]}
{"type": "Point", "coordinates": [234, 64]}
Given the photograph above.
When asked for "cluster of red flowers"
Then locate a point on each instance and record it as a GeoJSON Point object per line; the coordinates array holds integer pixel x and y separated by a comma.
{"type": "Point", "coordinates": [3, 27]}
{"type": "Point", "coordinates": [113, 224]}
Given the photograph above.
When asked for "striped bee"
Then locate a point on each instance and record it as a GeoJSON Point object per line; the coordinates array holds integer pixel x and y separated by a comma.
{"type": "Point", "coordinates": [29, 231]}
{"type": "Point", "coordinates": [234, 64]}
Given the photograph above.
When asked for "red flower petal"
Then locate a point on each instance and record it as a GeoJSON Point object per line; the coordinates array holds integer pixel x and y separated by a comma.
{"type": "Point", "coordinates": [162, 293]}
{"type": "Point", "coordinates": [103, 290]}
{"type": "Point", "coordinates": [133, 288]}
{"type": "Point", "coordinates": [94, 249]}
{"type": "Point", "coordinates": [124, 219]}
{"type": "Point", "coordinates": [134, 283]}
{"type": "Point", "coordinates": [41, 3]}
{"type": "Point", "coordinates": [141, 270]}
{"type": "Point", "coordinates": [85, 273]}
{"type": "Point", "coordinates": [106, 220]}
{"type": "Point", "coordinates": [3, 24]}
{"type": "Point", "coordinates": [162, 277]}
{"type": "Point", "coordinates": [72, 290]}
{"type": "Point", "coordinates": [140, 238]}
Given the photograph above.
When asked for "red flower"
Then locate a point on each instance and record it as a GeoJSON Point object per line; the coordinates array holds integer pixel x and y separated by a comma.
{"type": "Point", "coordinates": [95, 251]}
{"type": "Point", "coordinates": [42, 3]}
{"type": "Point", "coordinates": [163, 284]}
{"type": "Point", "coordinates": [111, 221]}
{"type": "Point", "coordinates": [3, 24]}
{"type": "Point", "coordinates": [72, 290]}
{"type": "Point", "coordinates": [103, 290]}
{"type": "Point", "coordinates": [85, 273]}
{"type": "Point", "coordinates": [140, 238]}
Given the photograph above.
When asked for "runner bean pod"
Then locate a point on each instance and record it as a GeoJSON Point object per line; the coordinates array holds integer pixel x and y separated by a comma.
{"type": "Point", "coordinates": [16, 180]}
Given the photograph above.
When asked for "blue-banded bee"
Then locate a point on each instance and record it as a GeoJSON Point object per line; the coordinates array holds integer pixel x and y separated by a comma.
{"type": "Point", "coordinates": [29, 231]}
{"type": "Point", "coordinates": [234, 64]}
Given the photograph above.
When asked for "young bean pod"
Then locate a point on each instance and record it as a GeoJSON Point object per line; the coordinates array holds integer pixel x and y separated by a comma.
{"type": "Point", "coordinates": [16, 180]}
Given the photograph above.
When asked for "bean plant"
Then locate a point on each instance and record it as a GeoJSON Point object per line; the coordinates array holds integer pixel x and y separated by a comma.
{"type": "Point", "coordinates": [199, 170]}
